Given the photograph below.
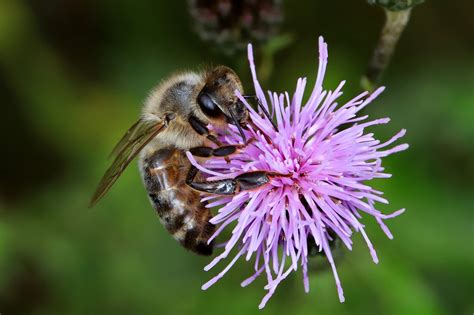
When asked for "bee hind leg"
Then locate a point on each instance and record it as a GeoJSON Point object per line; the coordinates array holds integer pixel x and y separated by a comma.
{"type": "Point", "coordinates": [245, 181]}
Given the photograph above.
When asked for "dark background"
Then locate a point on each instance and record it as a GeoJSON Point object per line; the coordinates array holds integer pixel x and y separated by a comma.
{"type": "Point", "coordinates": [73, 75]}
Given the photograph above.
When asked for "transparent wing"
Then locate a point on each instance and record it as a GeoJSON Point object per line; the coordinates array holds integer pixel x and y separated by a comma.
{"type": "Point", "coordinates": [137, 137]}
{"type": "Point", "coordinates": [127, 137]}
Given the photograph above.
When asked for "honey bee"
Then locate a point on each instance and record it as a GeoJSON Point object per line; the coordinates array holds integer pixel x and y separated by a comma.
{"type": "Point", "coordinates": [174, 120]}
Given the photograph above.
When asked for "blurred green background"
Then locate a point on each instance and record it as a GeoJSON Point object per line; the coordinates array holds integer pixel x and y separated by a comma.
{"type": "Point", "coordinates": [73, 75]}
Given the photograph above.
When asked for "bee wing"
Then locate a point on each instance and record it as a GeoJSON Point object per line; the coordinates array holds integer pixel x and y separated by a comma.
{"type": "Point", "coordinates": [137, 137]}
{"type": "Point", "coordinates": [127, 137]}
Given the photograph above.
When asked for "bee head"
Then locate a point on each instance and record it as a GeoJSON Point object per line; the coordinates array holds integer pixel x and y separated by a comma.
{"type": "Point", "coordinates": [217, 99]}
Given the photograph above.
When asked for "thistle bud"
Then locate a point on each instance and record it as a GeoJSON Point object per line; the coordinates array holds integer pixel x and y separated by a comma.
{"type": "Point", "coordinates": [396, 5]}
{"type": "Point", "coordinates": [231, 24]}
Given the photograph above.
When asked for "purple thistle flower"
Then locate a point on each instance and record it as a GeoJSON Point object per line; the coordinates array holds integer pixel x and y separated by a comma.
{"type": "Point", "coordinates": [318, 189]}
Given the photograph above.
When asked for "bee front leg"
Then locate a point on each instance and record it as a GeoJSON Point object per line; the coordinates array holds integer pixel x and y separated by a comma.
{"type": "Point", "coordinates": [245, 181]}
{"type": "Point", "coordinates": [201, 129]}
{"type": "Point", "coordinates": [263, 109]}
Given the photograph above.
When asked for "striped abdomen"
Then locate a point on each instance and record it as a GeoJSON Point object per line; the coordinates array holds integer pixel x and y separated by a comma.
{"type": "Point", "coordinates": [179, 207]}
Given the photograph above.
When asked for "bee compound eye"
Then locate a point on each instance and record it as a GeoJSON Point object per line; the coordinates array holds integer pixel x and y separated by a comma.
{"type": "Point", "coordinates": [207, 105]}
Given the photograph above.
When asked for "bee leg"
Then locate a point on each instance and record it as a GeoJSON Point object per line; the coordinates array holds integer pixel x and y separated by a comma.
{"type": "Point", "coordinates": [252, 180]}
{"type": "Point", "coordinates": [219, 187]}
{"type": "Point", "coordinates": [264, 110]}
{"type": "Point", "coordinates": [201, 129]}
{"type": "Point", "coordinates": [222, 151]}
{"type": "Point", "coordinates": [245, 181]}
{"type": "Point", "coordinates": [208, 152]}
{"type": "Point", "coordinates": [191, 174]}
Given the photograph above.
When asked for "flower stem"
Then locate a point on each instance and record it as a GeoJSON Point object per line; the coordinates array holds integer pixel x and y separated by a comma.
{"type": "Point", "coordinates": [395, 23]}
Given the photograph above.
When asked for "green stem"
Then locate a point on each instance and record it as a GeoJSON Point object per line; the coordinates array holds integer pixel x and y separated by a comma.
{"type": "Point", "coordinates": [395, 23]}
